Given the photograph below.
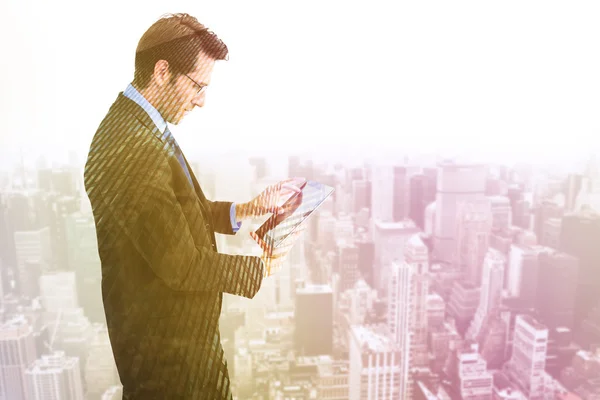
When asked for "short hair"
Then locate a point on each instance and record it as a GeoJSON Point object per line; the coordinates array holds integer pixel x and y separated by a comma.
{"type": "Point", "coordinates": [178, 39]}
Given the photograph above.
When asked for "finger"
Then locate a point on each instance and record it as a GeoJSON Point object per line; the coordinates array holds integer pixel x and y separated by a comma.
{"type": "Point", "coordinates": [291, 187]}
{"type": "Point", "coordinates": [264, 246]}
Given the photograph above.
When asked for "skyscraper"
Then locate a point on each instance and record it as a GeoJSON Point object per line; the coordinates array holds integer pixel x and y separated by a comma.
{"type": "Point", "coordinates": [389, 239]}
{"type": "Point", "coordinates": [417, 257]}
{"type": "Point", "coordinates": [55, 377]}
{"type": "Point", "coordinates": [17, 352]}
{"type": "Point", "coordinates": [361, 195]}
{"type": "Point", "coordinates": [399, 318]}
{"type": "Point", "coordinates": [556, 289]}
{"type": "Point", "coordinates": [375, 365]}
{"type": "Point", "coordinates": [501, 212]}
{"type": "Point", "coordinates": [491, 290]}
{"type": "Point", "coordinates": [473, 229]}
{"type": "Point", "coordinates": [314, 320]}
{"type": "Point", "coordinates": [422, 193]}
{"type": "Point", "coordinates": [456, 183]}
{"type": "Point", "coordinates": [85, 261]}
{"type": "Point", "coordinates": [469, 377]}
{"type": "Point", "coordinates": [390, 191]}
{"type": "Point", "coordinates": [348, 265]}
{"type": "Point", "coordinates": [523, 273]}
{"type": "Point", "coordinates": [528, 360]}
{"type": "Point", "coordinates": [579, 238]}
{"type": "Point", "coordinates": [32, 246]}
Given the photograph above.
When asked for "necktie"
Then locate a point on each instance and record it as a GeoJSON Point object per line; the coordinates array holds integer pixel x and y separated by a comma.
{"type": "Point", "coordinates": [171, 140]}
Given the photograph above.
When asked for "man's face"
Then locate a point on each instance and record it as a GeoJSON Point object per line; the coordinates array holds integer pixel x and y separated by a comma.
{"type": "Point", "coordinates": [187, 91]}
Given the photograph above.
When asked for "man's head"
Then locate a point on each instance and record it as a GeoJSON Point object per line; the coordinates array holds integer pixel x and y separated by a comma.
{"type": "Point", "coordinates": [174, 62]}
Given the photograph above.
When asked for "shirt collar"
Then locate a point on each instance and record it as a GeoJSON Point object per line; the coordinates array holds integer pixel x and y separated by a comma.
{"type": "Point", "coordinates": [132, 93]}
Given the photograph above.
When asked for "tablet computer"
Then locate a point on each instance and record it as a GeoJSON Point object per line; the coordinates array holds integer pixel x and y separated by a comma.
{"type": "Point", "coordinates": [299, 206]}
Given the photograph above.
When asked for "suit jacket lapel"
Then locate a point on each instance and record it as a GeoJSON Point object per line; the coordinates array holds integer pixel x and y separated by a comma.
{"type": "Point", "coordinates": [145, 119]}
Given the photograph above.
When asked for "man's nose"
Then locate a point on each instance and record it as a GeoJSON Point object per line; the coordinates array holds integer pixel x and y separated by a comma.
{"type": "Point", "coordinates": [198, 100]}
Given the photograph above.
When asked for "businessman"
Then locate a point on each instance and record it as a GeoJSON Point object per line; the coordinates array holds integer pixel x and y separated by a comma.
{"type": "Point", "coordinates": [162, 277]}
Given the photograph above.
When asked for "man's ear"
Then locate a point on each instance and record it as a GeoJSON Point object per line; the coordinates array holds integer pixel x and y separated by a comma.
{"type": "Point", "coordinates": [162, 73]}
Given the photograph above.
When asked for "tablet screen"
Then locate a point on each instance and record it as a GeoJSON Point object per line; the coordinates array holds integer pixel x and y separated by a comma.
{"type": "Point", "coordinates": [313, 195]}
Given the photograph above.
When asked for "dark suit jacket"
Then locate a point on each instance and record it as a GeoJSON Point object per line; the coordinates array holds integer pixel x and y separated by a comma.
{"type": "Point", "coordinates": [162, 277]}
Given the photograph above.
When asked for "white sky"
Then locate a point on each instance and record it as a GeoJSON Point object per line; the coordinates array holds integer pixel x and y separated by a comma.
{"type": "Point", "coordinates": [511, 79]}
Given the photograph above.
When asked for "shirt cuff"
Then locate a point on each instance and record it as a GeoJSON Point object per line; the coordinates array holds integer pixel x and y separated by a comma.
{"type": "Point", "coordinates": [234, 224]}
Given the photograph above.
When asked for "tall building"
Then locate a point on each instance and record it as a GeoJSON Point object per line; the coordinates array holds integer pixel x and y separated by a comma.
{"type": "Point", "coordinates": [551, 233]}
{"type": "Point", "coordinates": [399, 304]}
{"type": "Point", "coordinates": [491, 291]}
{"type": "Point", "coordinates": [407, 306]}
{"type": "Point", "coordinates": [572, 187]}
{"type": "Point", "coordinates": [17, 352]}
{"type": "Point", "coordinates": [469, 377]}
{"type": "Point", "coordinates": [390, 239]}
{"type": "Point", "coordinates": [362, 299]}
{"type": "Point", "coordinates": [473, 229]}
{"type": "Point", "coordinates": [456, 183]}
{"type": "Point", "coordinates": [463, 303]}
{"type": "Point", "coordinates": [60, 208]}
{"type": "Point", "coordinates": [390, 200]}
{"type": "Point", "coordinates": [34, 247]}
{"type": "Point", "coordinates": [361, 195]}
{"type": "Point", "coordinates": [401, 193]}
{"type": "Point", "coordinates": [542, 212]}
{"type": "Point", "coordinates": [348, 265]}
{"type": "Point", "coordinates": [7, 240]}
{"type": "Point", "coordinates": [314, 320]}
{"type": "Point", "coordinates": [501, 212]}
{"type": "Point", "coordinates": [382, 193]}
{"type": "Point", "coordinates": [556, 289]}
{"type": "Point", "coordinates": [417, 257]}
{"type": "Point", "coordinates": [55, 377]}
{"type": "Point", "coordinates": [436, 310]}
{"type": "Point", "coordinates": [375, 371]}
{"type": "Point", "coordinates": [527, 363]}
{"type": "Point", "coordinates": [422, 193]}
{"type": "Point", "coordinates": [579, 238]}
{"type": "Point", "coordinates": [522, 276]}
{"type": "Point", "coordinates": [521, 213]}
{"type": "Point", "coordinates": [399, 318]}
{"type": "Point", "coordinates": [344, 228]}
{"type": "Point", "coordinates": [366, 259]}
{"type": "Point", "coordinates": [85, 261]}
{"type": "Point", "coordinates": [332, 379]}
{"type": "Point", "coordinates": [74, 334]}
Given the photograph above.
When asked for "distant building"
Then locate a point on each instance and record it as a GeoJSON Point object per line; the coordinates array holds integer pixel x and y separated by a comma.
{"type": "Point", "coordinates": [54, 377]}
{"type": "Point", "coordinates": [469, 377]}
{"type": "Point", "coordinates": [456, 183]}
{"type": "Point", "coordinates": [17, 352]}
{"type": "Point", "coordinates": [526, 366]}
{"type": "Point", "coordinates": [579, 238]}
{"type": "Point", "coordinates": [376, 372]}
{"type": "Point", "coordinates": [314, 320]}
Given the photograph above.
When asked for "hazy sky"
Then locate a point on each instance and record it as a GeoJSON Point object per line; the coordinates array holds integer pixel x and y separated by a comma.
{"type": "Point", "coordinates": [513, 79]}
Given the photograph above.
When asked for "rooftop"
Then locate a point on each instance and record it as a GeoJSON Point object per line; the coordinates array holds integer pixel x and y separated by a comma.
{"type": "Point", "coordinates": [398, 225]}
{"type": "Point", "coordinates": [528, 319]}
{"type": "Point", "coordinates": [374, 338]}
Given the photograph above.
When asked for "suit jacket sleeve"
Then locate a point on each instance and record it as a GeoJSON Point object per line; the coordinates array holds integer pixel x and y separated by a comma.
{"type": "Point", "coordinates": [147, 211]}
{"type": "Point", "coordinates": [221, 217]}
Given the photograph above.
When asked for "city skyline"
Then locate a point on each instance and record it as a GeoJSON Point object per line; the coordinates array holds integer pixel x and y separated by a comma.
{"type": "Point", "coordinates": [437, 317]}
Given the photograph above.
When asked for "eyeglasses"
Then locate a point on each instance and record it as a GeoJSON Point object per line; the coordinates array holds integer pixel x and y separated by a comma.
{"type": "Point", "coordinates": [200, 86]}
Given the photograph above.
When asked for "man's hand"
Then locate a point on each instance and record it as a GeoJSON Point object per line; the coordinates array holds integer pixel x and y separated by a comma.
{"type": "Point", "coordinates": [274, 258]}
{"type": "Point", "coordinates": [270, 199]}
